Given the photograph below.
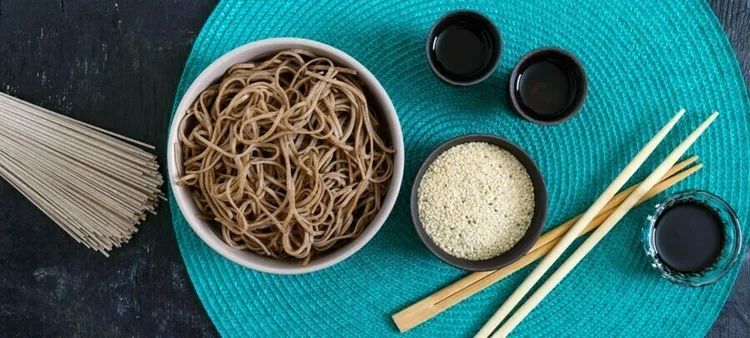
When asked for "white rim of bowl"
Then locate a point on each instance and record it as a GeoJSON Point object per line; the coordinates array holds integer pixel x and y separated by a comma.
{"type": "Point", "coordinates": [218, 67]}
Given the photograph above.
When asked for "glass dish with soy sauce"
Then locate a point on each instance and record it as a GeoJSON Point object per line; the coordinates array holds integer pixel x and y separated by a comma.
{"type": "Point", "coordinates": [693, 238]}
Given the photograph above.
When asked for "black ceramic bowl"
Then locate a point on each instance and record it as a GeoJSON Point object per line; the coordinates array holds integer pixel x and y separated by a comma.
{"type": "Point", "coordinates": [463, 47]}
{"type": "Point", "coordinates": [537, 222]}
{"type": "Point", "coordinates": [547, 86]}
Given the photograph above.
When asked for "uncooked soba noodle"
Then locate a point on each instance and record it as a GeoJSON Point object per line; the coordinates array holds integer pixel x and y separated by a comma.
{"type": "Point", "coordinates": [285, 155]}
{"type": "Point", "coordinates": [96, 185]}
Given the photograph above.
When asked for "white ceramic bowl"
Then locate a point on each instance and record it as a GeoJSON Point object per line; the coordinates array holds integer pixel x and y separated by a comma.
{"type": "Point", "coordinates": [254, 51]}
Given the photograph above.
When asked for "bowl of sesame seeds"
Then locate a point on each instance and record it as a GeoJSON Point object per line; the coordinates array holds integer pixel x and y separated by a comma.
{"type": "Point", "coordinates": [479, 202]}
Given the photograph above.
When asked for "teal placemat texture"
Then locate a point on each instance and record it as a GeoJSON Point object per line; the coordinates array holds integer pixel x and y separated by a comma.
{"type": "Point", "coordinates": [644, 59]}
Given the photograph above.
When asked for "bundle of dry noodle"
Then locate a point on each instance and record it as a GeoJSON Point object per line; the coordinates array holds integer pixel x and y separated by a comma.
{"type": "Point", "coordinates": [96, 185]}
{"type": "Point", "coordinates": [285, 155]}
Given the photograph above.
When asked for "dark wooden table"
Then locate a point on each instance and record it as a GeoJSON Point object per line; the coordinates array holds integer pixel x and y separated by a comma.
{"type": "Point", "coordinates": [116, 65]}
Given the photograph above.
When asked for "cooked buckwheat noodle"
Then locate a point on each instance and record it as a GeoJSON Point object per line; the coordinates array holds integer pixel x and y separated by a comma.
{"type": "Point", "coordinates": [96, 185]}
{"type": "Point", "coordinates": [285, 155]}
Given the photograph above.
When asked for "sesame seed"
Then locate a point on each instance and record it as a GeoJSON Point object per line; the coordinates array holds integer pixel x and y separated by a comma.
{"type": "Point", "coordinates": [476, 201]}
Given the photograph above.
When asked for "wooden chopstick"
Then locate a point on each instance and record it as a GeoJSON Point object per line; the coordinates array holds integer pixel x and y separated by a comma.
{"type": "Point", "coordinates": [440, 301]}
{"type": "Point", "coordinates": [600, 232]}
{"type": "Point", "coordinates": [576, 228]}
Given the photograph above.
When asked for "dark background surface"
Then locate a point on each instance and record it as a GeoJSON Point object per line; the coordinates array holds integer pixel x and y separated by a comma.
{"type": "Point", "coordinates": [116, 65]}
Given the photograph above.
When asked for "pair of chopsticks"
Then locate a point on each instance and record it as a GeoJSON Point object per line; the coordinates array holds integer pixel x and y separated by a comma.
{"type": "Point", "coordinates": [578, 227]}
{"type": "Point", "coordinates": [466, 287]}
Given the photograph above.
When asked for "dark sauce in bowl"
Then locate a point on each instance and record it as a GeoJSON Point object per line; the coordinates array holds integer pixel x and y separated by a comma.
{"type": "Point", "coordinates": [689, 237]}
{"type": "Point", "coordinates": [546, 89]}
{"type": "Point", "coordinates": [462, 50]}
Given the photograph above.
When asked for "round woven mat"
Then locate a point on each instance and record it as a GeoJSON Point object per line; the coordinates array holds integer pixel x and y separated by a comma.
{"type": "Point", "coordinates": [645, 60]}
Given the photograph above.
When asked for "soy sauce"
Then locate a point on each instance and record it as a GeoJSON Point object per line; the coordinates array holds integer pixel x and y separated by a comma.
{"type": "Point", "coordinates": [689, 237]}
{"type": "Point", "coordinates": [464, 50]}
{"type": "Point", "coordinates": [546, 89]}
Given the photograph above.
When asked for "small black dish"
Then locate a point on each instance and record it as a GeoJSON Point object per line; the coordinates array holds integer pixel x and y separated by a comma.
{"type": "Point", "coordinates": [548, 86]}
{"type": "Point", "coordinates": [537, 221]}
{"type": "Point", "coordinates": [463, 47]}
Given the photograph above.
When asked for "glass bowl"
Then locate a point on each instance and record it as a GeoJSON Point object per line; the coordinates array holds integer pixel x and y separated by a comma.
{"type": "Point", "coordinates": [732, 238]}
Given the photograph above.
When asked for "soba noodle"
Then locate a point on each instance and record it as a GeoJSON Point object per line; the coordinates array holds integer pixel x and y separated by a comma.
{"type": "Point", "coordinates": [285, 155]}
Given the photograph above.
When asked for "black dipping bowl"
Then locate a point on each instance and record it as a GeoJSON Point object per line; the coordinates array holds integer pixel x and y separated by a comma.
{"type": "Point", "coordinates": [556, 99]}
{"type": "Point", "coordinates": [463, 47]}
{"type": "Point", "coordinates": [537, 221]}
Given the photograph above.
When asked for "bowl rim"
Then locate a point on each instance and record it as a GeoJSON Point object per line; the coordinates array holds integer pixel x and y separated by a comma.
{"type": "Point", "coordinates": [213, 72]}
{"type": "Point", "coordinates": [529, 238]}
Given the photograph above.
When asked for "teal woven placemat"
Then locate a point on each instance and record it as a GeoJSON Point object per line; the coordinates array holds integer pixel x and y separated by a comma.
{"type": "Point", "coordinates": [645, 60]}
